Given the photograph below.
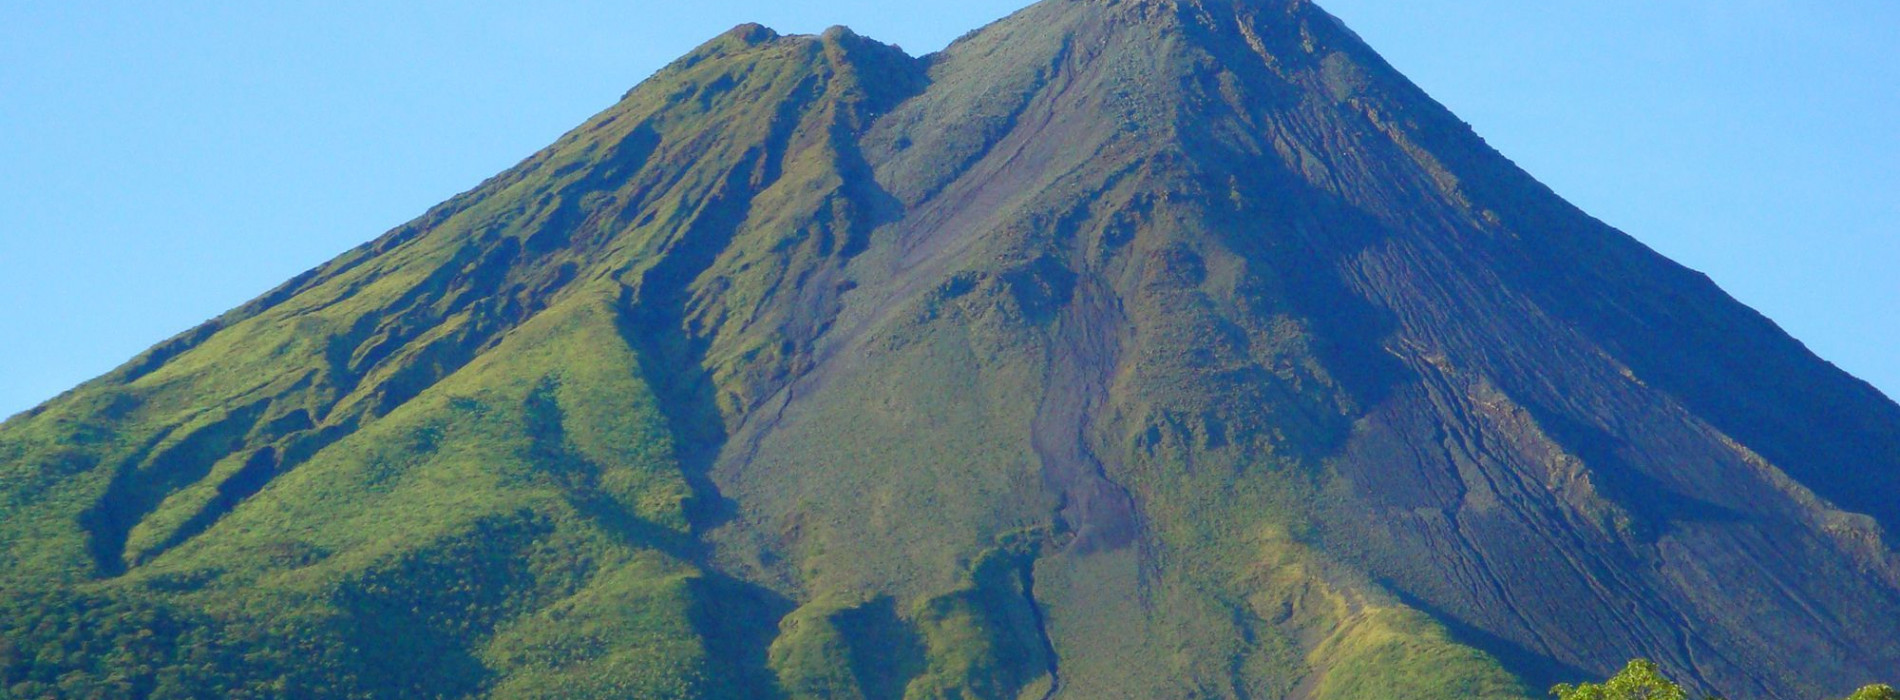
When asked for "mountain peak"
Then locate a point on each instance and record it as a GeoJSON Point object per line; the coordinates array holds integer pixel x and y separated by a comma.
{"type": "Point", "coordinates": [1123, 349]}
{"type": "Point", "coordinates": [752, 33]}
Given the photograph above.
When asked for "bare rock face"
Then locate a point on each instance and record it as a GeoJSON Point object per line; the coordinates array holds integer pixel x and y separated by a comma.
{"type": "Point", "coordinates": [1137, 349]}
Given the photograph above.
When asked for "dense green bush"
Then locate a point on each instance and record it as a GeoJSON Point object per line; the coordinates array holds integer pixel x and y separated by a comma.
{"type": "Point", "coordinates": [1643, 680]}
{"type": "Point", "coordinates": [1879, 691]}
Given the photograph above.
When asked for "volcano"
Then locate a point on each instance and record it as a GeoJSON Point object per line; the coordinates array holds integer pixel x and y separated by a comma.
{"type": "Point", "coordinates": [1123, 349]}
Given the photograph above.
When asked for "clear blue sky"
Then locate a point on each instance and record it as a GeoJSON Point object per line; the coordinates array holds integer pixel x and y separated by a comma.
{"type": "Point", "coordinates": [166, 161]}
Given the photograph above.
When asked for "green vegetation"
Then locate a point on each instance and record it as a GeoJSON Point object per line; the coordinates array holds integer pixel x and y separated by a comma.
{"type": "Point", "coordinates": [1643, 680]}
{"type": "Point", "coordinates": [1640, 680]}
{"type": "Point", "coordinates": [449, 462]}
{"type": "Point", "coordinates": [1878, 691]}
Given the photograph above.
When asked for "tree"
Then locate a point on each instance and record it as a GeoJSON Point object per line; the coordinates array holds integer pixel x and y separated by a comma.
{"type": "Point", "coordinates": [1876, 692]}
{"type": "Point", "coordinates": [1640, 680]}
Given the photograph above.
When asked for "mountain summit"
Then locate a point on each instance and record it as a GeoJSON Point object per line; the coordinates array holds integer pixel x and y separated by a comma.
{"type": "Point", "coordinates": [1124, 349]}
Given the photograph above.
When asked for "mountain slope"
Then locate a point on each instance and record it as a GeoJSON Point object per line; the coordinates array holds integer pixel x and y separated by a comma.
{"type": "Point", "coordinates": [1132, 349]}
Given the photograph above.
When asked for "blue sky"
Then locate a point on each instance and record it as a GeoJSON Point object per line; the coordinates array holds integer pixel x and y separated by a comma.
{"type": "Point", "coordinates": [167, 161]}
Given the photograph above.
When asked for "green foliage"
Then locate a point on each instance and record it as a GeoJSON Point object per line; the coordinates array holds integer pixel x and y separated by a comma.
{"type": "Point", "coordinates": [1402, 653]}
{"type": "Point", "coordinates": [862, 650]}
{"type": "Point", "coordinates": [69, 644]}
{"type": "Point", "coordinates": [1879, 691]}
{"type": "Point", "coordinates": [1640, 680]}
{"type": "Point", "coordinates": [626, 634]}
{"type": "Point", "coordinates": [813, 659]}
{"type": "Point", "coordinates": [984, 641]}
